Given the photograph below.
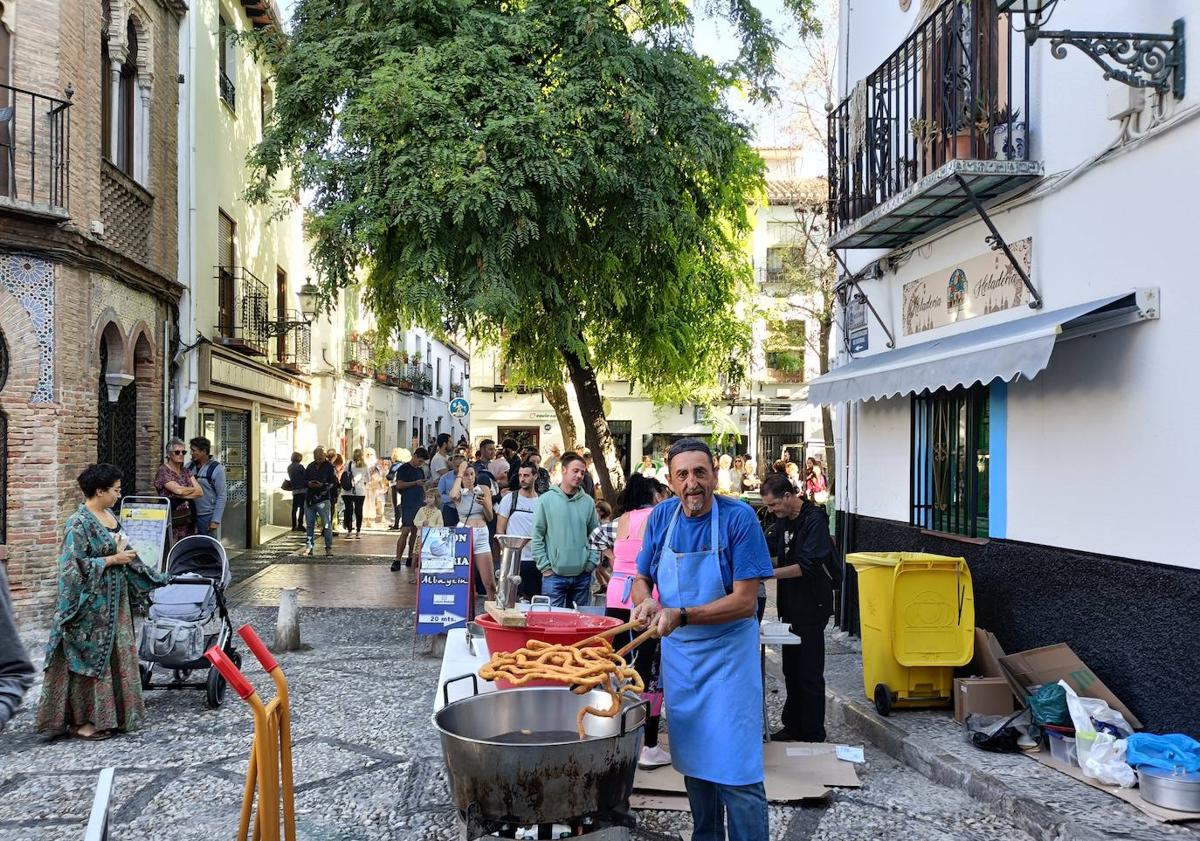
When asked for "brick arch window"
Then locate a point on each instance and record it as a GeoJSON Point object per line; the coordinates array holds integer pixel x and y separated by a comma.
{"type": "Point", "coordinates": [125, 97]}
{"type": "Point", "coordinates": [125, 153]}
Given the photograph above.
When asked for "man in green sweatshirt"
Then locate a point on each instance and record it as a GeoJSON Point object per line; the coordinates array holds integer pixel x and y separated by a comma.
{"type": "Point", "coordinates": [565, 517]}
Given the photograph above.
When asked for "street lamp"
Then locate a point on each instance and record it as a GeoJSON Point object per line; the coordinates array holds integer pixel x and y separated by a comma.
{"type": "Point", "coordinates": [310, 307]}
{"type": "Point", "coordinates": [1137, 59]}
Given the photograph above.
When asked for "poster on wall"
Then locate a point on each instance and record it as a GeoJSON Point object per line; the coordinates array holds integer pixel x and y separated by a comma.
{"type": "Point", "coordinates": [444, 585]}
{"type": "Point", "coordinates": [856, 323]}
{"type": "Point", "coordinates": [981, 285]}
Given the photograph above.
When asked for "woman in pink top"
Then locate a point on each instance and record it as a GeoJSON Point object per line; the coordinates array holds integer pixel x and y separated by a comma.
{"type": "Point", "coordinates": [624, 537]}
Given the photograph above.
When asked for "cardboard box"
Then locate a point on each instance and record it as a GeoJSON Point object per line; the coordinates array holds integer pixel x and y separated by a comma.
{"type": "Point", "coordinates": [987, 654]}
{"type": "Point", "coordinates": [1054, 663]}
{"type": "Point", "coordinates": [983, 695]}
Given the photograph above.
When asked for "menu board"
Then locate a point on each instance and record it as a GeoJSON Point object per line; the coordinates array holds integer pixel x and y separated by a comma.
{"type": "Point", "coordinates": [145, 521]}
{"type": "Point", "coordinates": [444, 585]}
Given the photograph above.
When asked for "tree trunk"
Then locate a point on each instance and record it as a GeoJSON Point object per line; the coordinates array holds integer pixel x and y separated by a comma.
{"type": "Point", "coordinates": [826, 329]}
{"type": "Point", "coordinates": [556, 396]}
{"type": "Point", "coordinates": [596, 434]}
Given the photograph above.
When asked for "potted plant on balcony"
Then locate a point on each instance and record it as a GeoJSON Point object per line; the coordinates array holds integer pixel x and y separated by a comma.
{"type": "Point", "coordinates": [1008, 134]}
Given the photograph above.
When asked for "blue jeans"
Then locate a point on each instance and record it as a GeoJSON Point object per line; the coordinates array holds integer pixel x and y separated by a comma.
{"type": "Point", "coordinates": [311, 512]}
{"type": "Point", "coordinates": [575, 589]}
{"type": "Point", "coordinates": [203, 521]}
{"type": "Point", "coordinates": [745, 807]}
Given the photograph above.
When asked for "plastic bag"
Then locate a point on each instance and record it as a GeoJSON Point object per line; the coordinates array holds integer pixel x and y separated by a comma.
{"type": "Point", "coordinates": [1166, 752]}
{"type": "Point", "coordinates": [1049, 705]}
{"type": "Point", "coordinates": [1101, 755]}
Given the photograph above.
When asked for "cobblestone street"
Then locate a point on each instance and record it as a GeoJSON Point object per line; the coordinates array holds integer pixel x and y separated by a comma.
{"type": "Point", "coordinates": [368, 765]}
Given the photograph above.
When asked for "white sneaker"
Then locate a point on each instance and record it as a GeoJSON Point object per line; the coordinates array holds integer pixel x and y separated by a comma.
{"type": "Point", "coordinates": [654, 757]}
{"type": "Point", "coordinates": [307, 552]}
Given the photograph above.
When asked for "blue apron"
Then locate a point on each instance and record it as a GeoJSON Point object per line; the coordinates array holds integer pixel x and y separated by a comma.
{"type": "Point", "coordinates": [711, 674]}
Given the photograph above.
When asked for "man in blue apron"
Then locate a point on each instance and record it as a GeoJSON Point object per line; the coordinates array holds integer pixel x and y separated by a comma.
{"type": "Point", "coordinates": [707, 554]}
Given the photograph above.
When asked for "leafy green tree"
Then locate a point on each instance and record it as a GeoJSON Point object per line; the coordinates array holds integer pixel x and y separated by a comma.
{"type": "Point", "coordinates": [562, 177]}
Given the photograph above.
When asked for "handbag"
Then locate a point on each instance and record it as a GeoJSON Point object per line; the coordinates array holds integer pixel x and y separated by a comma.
{"type": "Point", "coordinates": [182, 514]}
{"type": "Point", "coordinates": [287, 484]}
{"type": "Point", "coordinates": [170, 641]}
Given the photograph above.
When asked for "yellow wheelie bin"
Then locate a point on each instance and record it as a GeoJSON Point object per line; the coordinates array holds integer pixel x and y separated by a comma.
{"type": "Point", "coordinates": [917, 614]}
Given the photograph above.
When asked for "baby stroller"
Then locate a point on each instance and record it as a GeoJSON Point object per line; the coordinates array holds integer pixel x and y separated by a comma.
{"type": "Point", "coordinates": [187, 617]}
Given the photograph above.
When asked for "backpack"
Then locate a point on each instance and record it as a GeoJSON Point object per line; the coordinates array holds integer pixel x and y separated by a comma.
{"type": "Point", "coordinates": [347, 481]}
{"type": "Point", "coordinates": [210, 467]}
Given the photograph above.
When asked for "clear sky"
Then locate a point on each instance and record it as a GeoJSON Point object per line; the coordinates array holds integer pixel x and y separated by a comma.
{"type": "Point", "coordinates": [716, 39]}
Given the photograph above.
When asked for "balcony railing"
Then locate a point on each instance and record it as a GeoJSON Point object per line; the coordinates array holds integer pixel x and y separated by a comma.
{"type": "Point", "coordinates": [35, 142]}
{"type": "Point", "coordinates": [294, 348]}
{"type": "Point", "coordinates": [228, 91]}
{"type": "Point", "coordinates": [950, 101]}
{"type": "Point", "coordinates": [357, 356]}
{"type": "Point", "coordinates": [243, 311]}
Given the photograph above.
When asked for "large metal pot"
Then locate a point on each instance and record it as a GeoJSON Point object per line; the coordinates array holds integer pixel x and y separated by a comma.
{"type": "Point", "coordinates": [551, 776]}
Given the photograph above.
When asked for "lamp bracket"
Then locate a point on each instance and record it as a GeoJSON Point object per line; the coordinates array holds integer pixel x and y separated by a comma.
{"type": "Point", "coordinates": [1137, 59]}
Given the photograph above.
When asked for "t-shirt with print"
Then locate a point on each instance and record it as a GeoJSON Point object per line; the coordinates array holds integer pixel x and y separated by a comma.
{"type": "Point", "coordinates": [743, 548]}
{"type": "Point", "coordinates": [412, 497]}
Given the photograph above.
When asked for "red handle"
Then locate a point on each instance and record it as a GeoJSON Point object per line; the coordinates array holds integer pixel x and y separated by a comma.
{"type": "Point", "coordinates": [230, 672]}
{"type": "Point", "coordinates": [255, 644]}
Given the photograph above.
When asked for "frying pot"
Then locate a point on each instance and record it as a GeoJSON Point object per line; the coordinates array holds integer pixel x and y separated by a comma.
{"type": "Point", "coordinates": [538, 781]}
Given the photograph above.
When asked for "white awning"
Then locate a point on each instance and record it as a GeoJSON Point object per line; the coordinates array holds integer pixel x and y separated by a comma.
{"type": "Point", "coordinates": [1020, 347]}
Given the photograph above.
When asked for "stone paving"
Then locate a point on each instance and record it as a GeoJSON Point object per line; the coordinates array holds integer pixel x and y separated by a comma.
{"type": "Point", "coordinates": [368, 765]}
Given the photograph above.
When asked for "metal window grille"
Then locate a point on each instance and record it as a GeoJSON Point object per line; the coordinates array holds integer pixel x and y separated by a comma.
{"type": "Point", "coordinates": [949, 445]}
{"type": "Point", "coordinates": [116, 428]}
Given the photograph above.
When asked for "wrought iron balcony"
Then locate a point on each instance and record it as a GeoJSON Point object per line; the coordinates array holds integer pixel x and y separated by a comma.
{"type": "Point", "coordinates": [35, 141]}
{"type": "Point", "coordinates": [943, 115]}
{"type": "Point", "coordinates": [228, 90]}
{"type": "Point", "coordinates": [357, 356]}
{"type": "Point", "coordinates": [244, 309]}
{"type": "Point", "coordinates": [293, 346]}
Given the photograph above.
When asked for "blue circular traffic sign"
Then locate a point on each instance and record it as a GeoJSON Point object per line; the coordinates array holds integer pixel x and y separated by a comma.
{"type": "Point", "coordinates": [459, 408]}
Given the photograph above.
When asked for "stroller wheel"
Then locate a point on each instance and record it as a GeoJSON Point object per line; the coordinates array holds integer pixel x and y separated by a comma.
{"type": "Point", "coordinates": [146, 672]}
{"type": "Point", "coordinates": [215, 687]}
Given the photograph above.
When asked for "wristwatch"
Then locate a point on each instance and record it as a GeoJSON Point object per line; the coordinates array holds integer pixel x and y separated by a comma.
{"type": "Point", "coordinates": [682, 616]}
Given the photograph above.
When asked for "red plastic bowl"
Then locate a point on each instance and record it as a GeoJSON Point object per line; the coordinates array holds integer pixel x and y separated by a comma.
{"type": "Point", "coordinates": [554, 628]}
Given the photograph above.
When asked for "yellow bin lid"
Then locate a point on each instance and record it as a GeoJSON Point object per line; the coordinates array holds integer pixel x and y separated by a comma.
{"type": "Point", "coordinates": [933, 611]}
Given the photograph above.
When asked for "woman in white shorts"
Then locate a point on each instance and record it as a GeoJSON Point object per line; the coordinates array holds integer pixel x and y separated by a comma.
{"type": "Point", "coordinates": [474, 504]}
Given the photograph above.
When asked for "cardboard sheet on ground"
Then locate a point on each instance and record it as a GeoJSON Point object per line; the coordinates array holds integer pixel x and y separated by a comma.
{"type": "Point", "coordinates": [1129, 795]}
{"type": "Point", "coordinates": [794, 771]}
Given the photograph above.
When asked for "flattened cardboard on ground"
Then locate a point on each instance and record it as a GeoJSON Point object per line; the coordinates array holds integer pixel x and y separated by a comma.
{"type": "Point", "coordinates": [1129, 795]}
{"type": "Point", "coordinates": [983, 695]}
{"type": "Point", "coordinates": [1053, 663]}
{"type": "Point", "coordinates": [794, 771]}
{"type": "Point", "coordinates": [660, 802]}
{"type": "Point", "coordinates": [987, 654]}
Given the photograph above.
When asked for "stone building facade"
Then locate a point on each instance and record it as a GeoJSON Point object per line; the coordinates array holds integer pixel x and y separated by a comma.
{"type": "Point", "coordinates": [88, 261]}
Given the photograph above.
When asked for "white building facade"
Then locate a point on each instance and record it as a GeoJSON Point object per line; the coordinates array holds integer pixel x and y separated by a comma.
{"type": "Point", "coordinates": [1035, 425]}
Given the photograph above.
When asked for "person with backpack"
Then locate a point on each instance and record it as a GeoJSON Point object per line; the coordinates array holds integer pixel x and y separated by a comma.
{"type": "Point", "coordinates": [354, 488]}
{"type": "Point", "coordinates": [515, 516]}
{"type": "Point", "coordinates": [210, 476]}
{"type": "Point", "coordinates": [808, 572]}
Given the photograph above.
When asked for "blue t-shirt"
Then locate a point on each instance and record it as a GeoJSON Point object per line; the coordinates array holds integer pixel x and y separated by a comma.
{"type": "Point", "coordinates": [743, 550]}
{"type": "Point", "coordinates": [444, 486]}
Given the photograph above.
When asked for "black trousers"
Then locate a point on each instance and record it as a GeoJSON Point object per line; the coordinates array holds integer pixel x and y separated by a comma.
{"type": "Point", "coordinates": [298, 511]}
{"type": "Point", "coordinates": [353, 512]}
{"type": "Point", "coordinates": [804, 677]}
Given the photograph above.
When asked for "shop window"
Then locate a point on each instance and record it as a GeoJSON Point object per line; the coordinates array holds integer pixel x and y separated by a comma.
{"type": "Point", "coordinates": [950, 461]}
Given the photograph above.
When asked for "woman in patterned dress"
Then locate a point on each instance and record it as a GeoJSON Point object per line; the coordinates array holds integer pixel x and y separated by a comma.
{"type": "Point", "coordinates": [92, 688]}
{"type": "Point", "coordinates": [174, 481]}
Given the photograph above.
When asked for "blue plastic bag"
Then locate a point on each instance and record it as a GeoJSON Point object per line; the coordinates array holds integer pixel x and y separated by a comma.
{"type": "Point", "coordinates": [1166, 752]}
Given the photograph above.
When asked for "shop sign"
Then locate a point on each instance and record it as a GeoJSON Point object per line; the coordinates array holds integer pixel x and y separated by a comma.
{"type": "Point", "coordinates": [856, 323]}
{"type": "Point", "coordinates": [145, 521]}
{"type": "Point", "coordinates": [444, 587]}
{"type": "Point", "coordinates": [979, 286]}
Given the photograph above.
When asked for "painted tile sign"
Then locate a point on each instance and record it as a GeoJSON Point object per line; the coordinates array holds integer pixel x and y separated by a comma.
{"type": "Point", "coordinates": [979, 286]}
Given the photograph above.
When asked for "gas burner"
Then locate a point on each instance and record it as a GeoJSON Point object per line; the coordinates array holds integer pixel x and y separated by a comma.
{"type": "Point", "coordinates": [604, 826]}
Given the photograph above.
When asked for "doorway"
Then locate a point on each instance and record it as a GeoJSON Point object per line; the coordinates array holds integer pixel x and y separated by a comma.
{"type": "Point", "coordinates": [229, 432]}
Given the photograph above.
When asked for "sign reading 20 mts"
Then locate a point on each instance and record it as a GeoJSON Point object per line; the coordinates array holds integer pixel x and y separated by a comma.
{"type": "Point", "coordinates": [459, 408]}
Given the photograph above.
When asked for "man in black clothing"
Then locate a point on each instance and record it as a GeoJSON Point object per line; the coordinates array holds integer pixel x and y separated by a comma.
{"type": "Point", "coordinates": [321, 481]}
{"type": "Point", "coordinates": [409, 483]}
{"type": "Point", "coordinates": [805, 602]}
{"type": "Point", "coordinates": [508, 451]}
